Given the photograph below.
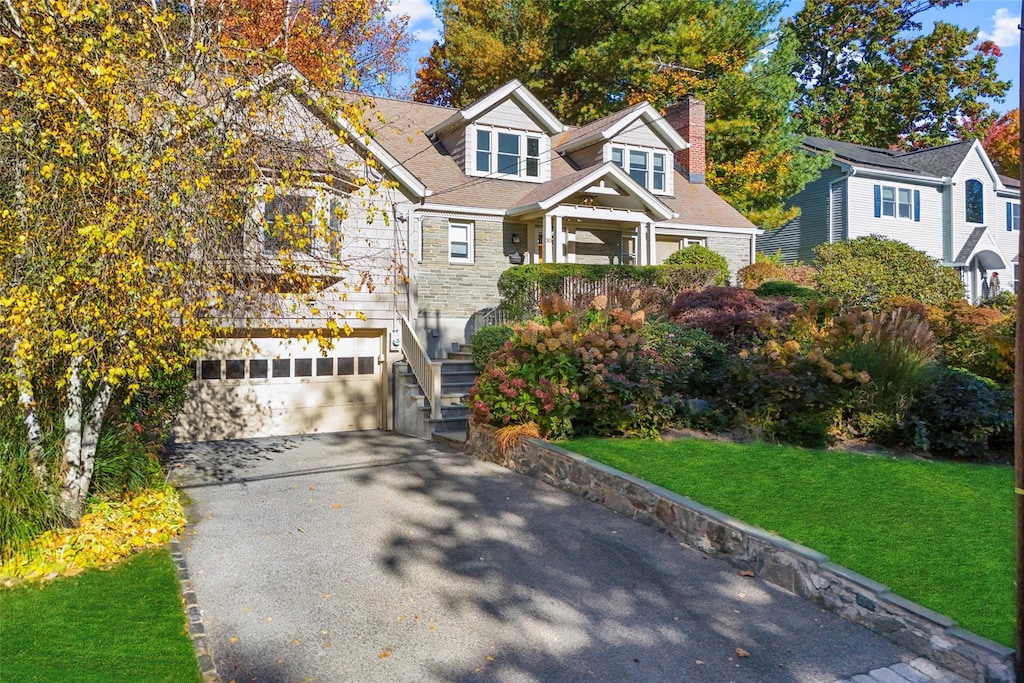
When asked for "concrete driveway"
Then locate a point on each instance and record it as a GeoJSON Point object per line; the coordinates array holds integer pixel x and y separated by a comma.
{"type": "Point", "coordinates": [375, 557]}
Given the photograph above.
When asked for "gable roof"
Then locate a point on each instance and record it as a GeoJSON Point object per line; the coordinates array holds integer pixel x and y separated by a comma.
{"type": "Point", "coordinates": [401, 127]}
{"type": "Point", "coordinates": [512, 90]}
{"type": "Point", "coordinates": [939, 161]}
{"type": "Point", "coordinates": [550, 194]}
{"type": "Point", "coordinates": [862, 155]}
{"type": "Point", "coordinates": [608, 127]}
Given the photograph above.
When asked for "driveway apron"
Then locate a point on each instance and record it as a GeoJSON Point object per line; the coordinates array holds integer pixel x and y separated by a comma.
{"type": "Point", "coordinates": [374, 557]}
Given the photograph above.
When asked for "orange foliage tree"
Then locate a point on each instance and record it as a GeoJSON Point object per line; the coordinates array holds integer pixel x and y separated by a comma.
{"type": "Point", "coordinates": [1002, 143]}
{"type": "Point", "coordinates": [357, 40]}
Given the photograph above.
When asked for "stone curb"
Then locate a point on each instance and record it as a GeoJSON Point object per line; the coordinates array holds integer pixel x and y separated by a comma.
{"type": "Point", "coordinates": [798, 569]}
{"type": "Point", "coordinates": [200, 642]}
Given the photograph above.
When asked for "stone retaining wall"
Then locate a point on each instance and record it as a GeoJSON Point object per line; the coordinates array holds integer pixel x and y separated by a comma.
{"type": "Point", "coordinates": [800, 570]}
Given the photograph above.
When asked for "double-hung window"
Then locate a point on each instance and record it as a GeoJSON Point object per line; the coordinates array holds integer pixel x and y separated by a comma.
{"type": "Point", "coordinates": [507, 153]}
{"type": "Point", "coordinates": [646, 167]}
{"type": "Point", "coordinates": [1012, 216]}
{"type": "Point", "coordinates": [460, 242]}
{"type": "Point", "coordinates": [897, 202]}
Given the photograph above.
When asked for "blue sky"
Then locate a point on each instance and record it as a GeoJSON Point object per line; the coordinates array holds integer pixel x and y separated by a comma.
{"type": "Point", "coordinates": [996, 20]}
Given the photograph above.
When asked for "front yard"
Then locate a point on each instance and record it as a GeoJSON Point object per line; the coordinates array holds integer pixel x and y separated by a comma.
{"type": "Point", "coordinates": [124, 624]}
{"type": "Point", "coordinates": [938, 533]}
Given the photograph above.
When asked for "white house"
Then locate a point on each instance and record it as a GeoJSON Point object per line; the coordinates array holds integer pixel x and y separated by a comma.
{"type": "Point", "coordinates": [948, 202]}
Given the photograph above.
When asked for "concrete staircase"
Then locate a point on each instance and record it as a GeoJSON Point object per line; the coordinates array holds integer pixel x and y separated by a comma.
{"type": "Point", "coordinates": [412, 410]}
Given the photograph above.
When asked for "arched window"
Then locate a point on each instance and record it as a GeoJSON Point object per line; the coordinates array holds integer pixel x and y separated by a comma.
{"type": "Point", "coordinates": [975, 201]}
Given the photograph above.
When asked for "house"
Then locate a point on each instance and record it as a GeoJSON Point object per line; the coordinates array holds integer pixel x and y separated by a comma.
{"type": "Point", "coordinates": [466, 194]}
{"type": "Point", "coordinates": [948, 202]}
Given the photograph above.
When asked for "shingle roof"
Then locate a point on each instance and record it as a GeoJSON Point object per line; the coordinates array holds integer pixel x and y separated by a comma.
{"type": "Point", "coordinates": [862, 155]}
{"type": "Point", "coordinates": [399, 126]}
{"type": "Point", "coordinates": [970, 244]}
{"type": "Point", "coordinates": [939, 161]}
{"type": "Point", "coordinates": [584, 131]}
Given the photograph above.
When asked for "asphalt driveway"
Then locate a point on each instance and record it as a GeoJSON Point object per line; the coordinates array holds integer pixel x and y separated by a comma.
{"type": "Point", "coordinates": [375, 557]}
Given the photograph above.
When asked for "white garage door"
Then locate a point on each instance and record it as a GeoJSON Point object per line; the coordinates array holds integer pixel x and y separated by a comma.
{"type": "Point", "coordinates": [278, 387]}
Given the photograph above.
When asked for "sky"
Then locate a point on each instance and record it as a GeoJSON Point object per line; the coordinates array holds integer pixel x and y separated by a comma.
{"type": "Point", "coordinates": [995, 20]}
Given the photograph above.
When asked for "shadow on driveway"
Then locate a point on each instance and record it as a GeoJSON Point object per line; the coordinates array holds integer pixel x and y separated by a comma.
{"type": "Point", "coordinates": [375, 557]}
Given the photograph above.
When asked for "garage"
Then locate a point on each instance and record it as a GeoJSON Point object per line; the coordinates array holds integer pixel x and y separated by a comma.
{"type": "Point", "coordinates": [274, 386]}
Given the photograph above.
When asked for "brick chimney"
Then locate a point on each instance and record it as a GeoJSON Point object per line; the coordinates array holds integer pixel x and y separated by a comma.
{"type": "Point", "coordinates": [687, 117]}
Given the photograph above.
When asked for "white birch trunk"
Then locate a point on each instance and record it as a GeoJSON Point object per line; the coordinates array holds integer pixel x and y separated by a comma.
{"type": "Point", "coordinates": [81, 436]}
{"type": "Point", "coordinates": [27, 403]}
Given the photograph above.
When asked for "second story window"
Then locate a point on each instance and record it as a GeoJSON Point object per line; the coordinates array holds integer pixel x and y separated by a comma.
{"type": "Point", "coordinates": [507, 153]}
{"type": "Point", "coordinates": [975, 201]}
{"type": "Point", "coordinates": [1012, 216]}
{"type": "Point", "coordinates": [897, 202]}
{"type": "Point", "coordinates": [647, 168]}
{"type": "Point", "coordinates": [288, 223]}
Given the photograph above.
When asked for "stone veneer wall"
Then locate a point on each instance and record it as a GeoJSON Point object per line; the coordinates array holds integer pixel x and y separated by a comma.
{"type": "Point", "coordinates": [800, 570]}
{"type": "Point", "coordinates": [735, 249]}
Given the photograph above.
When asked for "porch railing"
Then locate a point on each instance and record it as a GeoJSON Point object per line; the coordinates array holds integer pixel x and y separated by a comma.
{"type": "Point", "coordinates": [427, 372]}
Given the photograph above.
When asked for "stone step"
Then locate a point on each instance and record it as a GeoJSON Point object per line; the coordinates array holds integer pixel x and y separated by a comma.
{"type": "Point", "coordinates": [459, 355]}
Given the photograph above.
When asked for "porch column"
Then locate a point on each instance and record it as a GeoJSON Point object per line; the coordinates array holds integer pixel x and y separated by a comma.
{"type": "Point", "coordinates": [560, 250]}
{"type": "Point", "coordinates": [641, 244]}
{"type": "Point", "coordinates": [570, 248]}
{"type": "Point", "coordinates": [548, 255]}
{"type": "Point", "coordinates": [652, 245]}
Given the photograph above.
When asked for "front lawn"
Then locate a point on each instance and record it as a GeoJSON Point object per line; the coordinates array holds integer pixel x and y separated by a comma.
{"type": "Point", "coordinates": [938, 533]}
{"type": "Point", "coordinates": [125, 624]}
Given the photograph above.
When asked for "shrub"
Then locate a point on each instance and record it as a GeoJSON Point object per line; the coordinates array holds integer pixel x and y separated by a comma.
{"type": "Point", "coordinates": [731, 315]}
{"type": "Point", "coordinates": [976, 338]}
{"type": "Point", "coordinates": [699, 256]}
{"type": "Point", "coordinates": [487, 340]}
{"type": "Point", "coordinates": [124, 462]}
{"type": "Point", "coordinates": [763, 270]}
{"type": "Point", "coordinates": [692, 361]}
{"type": "Point", "coordinates": [865, 271]}
{"type": "Point", "coordinates": [521, 287]}
{"type": "Point", "coordinates": [789, 290]}
{"type": "Point", "coordinates": [895, 349]}
{"type": "Point", "coordinates": [959, 416]}
{"type": "Point", "coordinates": [154, 407]}
{"type": "Point", "coordinates": [26, 508]}
{"type": "Point", "coordinates": [1005, 302]}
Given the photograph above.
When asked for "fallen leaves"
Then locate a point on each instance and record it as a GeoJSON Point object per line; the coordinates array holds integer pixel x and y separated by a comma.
{"type": "Point", "coordinates": [740, 652]}
{"type": "Point", "coordinates": [746, 572]}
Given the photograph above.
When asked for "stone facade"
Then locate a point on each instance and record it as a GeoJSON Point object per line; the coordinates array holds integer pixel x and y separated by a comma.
{"type": "Point", "coordinates": [796, 568]}
{"type": "Point", "coordinates": [735, 249]}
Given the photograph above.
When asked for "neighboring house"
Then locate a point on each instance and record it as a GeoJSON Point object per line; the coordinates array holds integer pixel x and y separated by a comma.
{"type": "Point", "coordinates": [470, 193]}
{"type": "Point", "coordinates": [948, 202]}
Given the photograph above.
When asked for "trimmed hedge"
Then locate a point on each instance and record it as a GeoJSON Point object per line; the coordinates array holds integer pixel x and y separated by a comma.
{"type": "Point", "coordinates": [522, 286]}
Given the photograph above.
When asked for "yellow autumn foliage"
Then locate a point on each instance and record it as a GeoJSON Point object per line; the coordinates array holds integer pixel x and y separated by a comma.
{"type": "Point", "coordinates": [110, 531]}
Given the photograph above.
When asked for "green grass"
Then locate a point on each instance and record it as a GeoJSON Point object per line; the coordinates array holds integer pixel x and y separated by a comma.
{"type": "Point", "coordinates": [125, 624]}
{"type": "Point", "coordinates": [938, 533]}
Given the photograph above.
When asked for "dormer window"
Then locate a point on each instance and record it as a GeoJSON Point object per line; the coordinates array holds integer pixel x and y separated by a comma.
{"type": "Point", "coordinates": [975, 201]}
{"type": "Point", "coordinates": [507, 153]}
{"type": "Point", "coordinates": [646, 167]}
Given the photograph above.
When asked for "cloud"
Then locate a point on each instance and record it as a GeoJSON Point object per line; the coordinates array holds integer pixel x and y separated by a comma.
{"type": "Point", "coordinates": [423, 22]}
{"type": "Point", "coordinates": [1004, 29]}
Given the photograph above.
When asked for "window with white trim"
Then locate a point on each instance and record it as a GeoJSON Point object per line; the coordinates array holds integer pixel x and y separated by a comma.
{"type": "Point", "coordinates": [509, 153]}
{"type": "Point", "coordinates": [1012, 216]}
{"type": "Point", "coordinates": [690, 241]}
{"type": "Point", "coordinates": [647, 167]}
{"type": "Point", "coordinates": [289, 222]}
{"type": "Point", "coordinates": [974, 196]}
{"type": "Point", "coordinates": [460, 242]}
{"type": "Point", "coordinates": [897, 202]}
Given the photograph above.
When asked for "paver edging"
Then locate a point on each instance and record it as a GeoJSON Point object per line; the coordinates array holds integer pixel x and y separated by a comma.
{"type": "Point", "coordinates": [796, 568]}
{"type": "Point", "coordinates": [200, 641]}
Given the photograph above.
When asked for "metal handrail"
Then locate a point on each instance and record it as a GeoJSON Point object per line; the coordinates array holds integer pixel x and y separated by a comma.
{"type": "Point", "coordinates": [427, 372]}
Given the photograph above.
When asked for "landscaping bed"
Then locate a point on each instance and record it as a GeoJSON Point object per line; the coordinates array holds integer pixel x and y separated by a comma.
{"type": "Point", "coordinates": [938, 533]}
{"type": "Point", "coordinates": [124, 624]}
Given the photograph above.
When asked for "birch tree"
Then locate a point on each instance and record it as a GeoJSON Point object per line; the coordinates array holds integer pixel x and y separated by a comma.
{"type": "Point", "coordinates": [133, 139]}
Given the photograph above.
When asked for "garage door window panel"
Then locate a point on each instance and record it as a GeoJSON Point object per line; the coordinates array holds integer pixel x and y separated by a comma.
{"type": "Point", "coordinates": [366, 364]}
{"type": "Point", "coordinates": [303, 367]}
{"type": "Point", "coordinates": [210, 370]}
{"type": "Point", "coordinates": [346, 366]}
{"type": "Point", "coordinates": [258, 369]}
{"type": "Point", "coordinates": [324, 367]}
{"type": "Point", "coordinates": [281, 367]}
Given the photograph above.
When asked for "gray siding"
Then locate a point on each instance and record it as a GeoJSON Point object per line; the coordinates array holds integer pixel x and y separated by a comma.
{"type": "Point", "coordinates": [598, 247]}
{"type": "Point", "coordinates": [797, 238]}
{"type": "Point", "coordinates": [455, 142]}
{"type": "Point", "coordinates": [837, 218]}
